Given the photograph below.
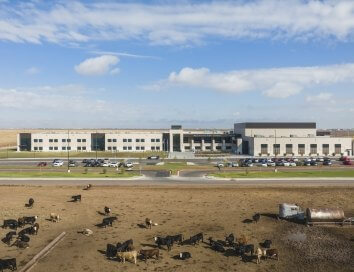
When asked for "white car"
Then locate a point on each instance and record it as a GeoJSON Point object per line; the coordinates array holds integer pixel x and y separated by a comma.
{"type": "Point", "coordinates": [105, 164]}
{"type": "Point", "coordinates": [128, 164]}
{"type": "Point", "coordinates": [263, 164]}
{"type": "Point", "coordinates": [292, 164]}
{"type": "Point", "coordinates": [58, 163]}
{"type": "Point", "coordinates": [286, 163]}
{"type": "Point", "coordinates": [113, 164]}
{"type": "Point", "coordinates": [271, 163]}
{"type": "Point", "coordinates": [220, 164]}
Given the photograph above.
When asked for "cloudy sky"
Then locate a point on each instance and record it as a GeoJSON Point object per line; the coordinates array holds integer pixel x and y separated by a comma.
{"type": "Point", "coordinates": [150, 64]}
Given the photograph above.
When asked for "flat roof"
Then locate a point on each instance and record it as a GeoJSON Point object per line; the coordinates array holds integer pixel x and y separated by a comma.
{"type": "Point", "coordinates": [311, 125]}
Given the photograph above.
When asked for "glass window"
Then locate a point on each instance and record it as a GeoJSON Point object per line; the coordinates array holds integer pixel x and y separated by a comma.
{"type": "Point", "coordinates": [63, 148]}
{"type": "Point", "coordinates": [109, 140]}
{"type": "Point", "coordinates": [289, 148]}
{"type": "Point", "coordinates": [276, 149]}
{"type": "Point", "coordinates": [313, 148]}
{"type": "Point", "coordinates": [142, 140]}
{"type": "Point", "coordinates": [35, 148]}
{"type": "Point", "coordinates": [55, 148]}
{"type": "Point", "coordinates": [264, 148]}
{"type": "Point", "coordinates": [152, 148]}
{"type": "Point", "coordinates": [50, 148]}
{"type": "Point", "coordinates": [137, 140]}
{"type": "Point", "coordinates": [338, 148]}
{"type": "Point", "coordinates": [79, 140]}
{"type": "Point", "coordinates": [35, 140]}
{"type": "Point", "coordinates": [124, 140]}
{"type": "Point", "coordinates": [157, 148]}
{"type": "Point", "coordinates": [124, 148]}
{"type": "Point", "coordinates": [129, 148]}
{"type": "Point", "coordinates": [50, 140]}
{"type": "Point", "coordinates": [84, 148]}
{"type": "Point", "coordinates": [68, 140]}
{"type": "Point", "coordinates": [69, 148]}
{"type": "Point", "coordinates": [142, 148]}
{"type": "Point", "coordinates": [157, 140]}
{"type": "Point", "coordinates": [79, 148]}
{"type": "Point", "coordinates": [152, 140]}
{"type": "Point", "coordinates": [114, 148]}
{"type": "Point", "coordinates": [55, 140]}
{"type": "Point", "coordinates": [129, 140]}
{"type": "Point", "coordinates": [109, 148]}
{"type": "Point", "coordinates": [114, 140]}
{"type": "Point", "coordinates": [137, 148]}
{"type": "Point", "coordinates": [84, 140]}
{"type": "Point", "coordinates": [40, 140]}
{"type": "Point", "coordinates": [40, 148]}
{"type": "Point", "coordinates": [63, 140]}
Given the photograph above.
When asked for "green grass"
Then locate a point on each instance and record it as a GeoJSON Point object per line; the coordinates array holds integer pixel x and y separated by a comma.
{"type": "Point", "coordinates": [39, 174]}
{"type": "Point", "coordinates": [177, 166]}
{"type": "Point", "coordinates": [100, 154]}
{"type": "Point", "coordinates": [285, 174]}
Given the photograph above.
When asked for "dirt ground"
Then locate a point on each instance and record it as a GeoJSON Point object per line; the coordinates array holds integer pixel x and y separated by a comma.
{"type": "Point", "coordinates": [213, 211]}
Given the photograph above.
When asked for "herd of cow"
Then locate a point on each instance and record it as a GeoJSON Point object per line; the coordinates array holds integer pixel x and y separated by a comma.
{"type": "Point", "coordinates": [230, 245]}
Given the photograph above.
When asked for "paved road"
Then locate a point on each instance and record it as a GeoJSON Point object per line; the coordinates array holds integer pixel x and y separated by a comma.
{"type": "Point", "coordinates": [178, 181]}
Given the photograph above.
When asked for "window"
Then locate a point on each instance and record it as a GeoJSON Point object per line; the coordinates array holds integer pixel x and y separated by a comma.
{"type": "Point", "coordinates": [152, 140]}
{"type": "Point", "coordinates": [276, 149]}
{"type": "Point", "coordinates": [137, 140]}
{"type": "Point", "coordinates": [69, 148]}
{"type": "Point", "coordinates": [218, 147]}
{"type": "Point", "coordinates": [289, 149]}
{"type": "Point", "coordinates": [40, 148]}
{"type": "Point", "coordinates": [157, 148]}
{"type": "Point", "coordinates": [198, 147]}
{"type": "Point", "coordinates": [109, 140]}
{"type": "Point", "coordinates": [63, 148]}
{"type": "Point", "coordinates": [228, 147]}
{"type": "Point", "coordinates": [63, 140]}
{"type": "Point", "coordinates": [209, 147]}
{"type": "Point", "coordinates": [79, 148]}
{"type": "Point", "coordinates": [84, 140]}
{"type": "Point", "coordinates": [187, 147]}
{"type": "Point", "coordinates": [124, 148]}
{"type": "Point", "coordinates": [50, 140]}
{"type": "Point", "coordinates": [129, 148]}
{"type": "Point", "coordinates": [157, 140]}
{"type": "Point", "coordinates": [129, 140]}
{"type": "Point", "coordinates": [68, 140]}
{"type": "Point", "coordinates": [207, 140]}
{"type": "Point", "coordinates": [197, 140]}
{"type": "Point", "coordinates": [152, 148]}
{"type": "Point", "coordinates": [137, 148]}
{"type": "Point", "coordinates": [114, 148]}
{"type": "Point", "coordinates": [228, 140]}
{"type": "Point", "coordinates": [264, 149]}
{"type": "Point", "coordinates": [185, 140]}
{"type": "Point", "coordinates": [50, 148]}
{"type": "Point", "coordinates": [114, 140]}
{"type": "Point", "coordinates": [35, 148]}
{"type": "Point", "coordinates": [218, 140]}
{"type": "Point", "coordinates": [313, 148]}
{"type": "Point", "coordinates": [55, 140]}
{"type": "Point", "coordinates": [55, 148]}
{"type": "Point", "coordinates": [142, 140]}
{"type": "Point", "coordinates": [35, 140]}
{"type": "Point", "coordinates": [325, 149]}
{"type": "Point", "coordinates": [84, 148]}
{"type": "Point", "coordinates": [79, 140]}
{"type": "Point", "coordinates": [337, 148]}
{"type": "Point", "coordinates": [40, 140]}
{"type": "Point", "coordinates": [109, 148]}
{"type": "Point", "coordinates": [142, 148]}
{"type": "Point", "coordinates": [124, 140]}
{"type": "Point", "coordinates": [301, 149]}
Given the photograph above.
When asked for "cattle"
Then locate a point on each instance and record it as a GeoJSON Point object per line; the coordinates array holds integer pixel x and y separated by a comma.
{"type": "Point", "coordinates": [36, 228]}
{"type": "Point", "coordinates": [87, 232]}
{"type": "Point", "coordinates": [88, 187]}
{"type": "Point", "coordinates": [111, 251]}
{"type": "Point", "coordinates": [29, 230]}
{"type": "Point", "coordinates": [76, 198]}
{"type": "Point", "coordinates": [148, 223]}
{"type": "Point", "coordinates": [196, 238]}
{"type": "Point", "coordinates": [8, 264]}
{"type": "Point", "coordinates": [216, 245]}
{"type": "Point", "coordinates": [167, 241]}
{"type": "Point", "coordinates": [11, 223]}
{"type": "Point", "coordinates": [20, 244]}
{"type": "Point", "coordinates": [23, 238]}
{"type": "Point", "coordinates": [259, 254]}
{"type": "Point", "coordinates": [54, 217]}
{"type": "Point", "coordinates": [30, 203]}
{"type": "Point", "coordinates": [243, 249]}
{"type": "Point", "coordinates": [242, 240]}
{"type": "Point", "coordinates": [178, 238]}
{"type": "Point", "coordinates": [9, 236]}
{"type": "Point", "coordinates": [270, 253]}
{"type": "Point", "coordinates": [185, 255]}
{"type": "Point", "coordinates": [256, 217]}
{"type": "Point", "coordinates": [21, 222]}
{"type": "Point", "coordinates": [230, 239]}
{"type": "Point", "coordinates": [109, 221]}
{"type": "Point", "coordinates": [29, 219]}
{"type": "Point", "coordinates": [128, 255]}
{"type": "Point", "coordinates": [125, 246]}
{"type": "Point", "coordinates": [266, 244]}
{"type": "Point", "coordinates": [107, 211]}
{"type": "Point", "coordinates": [149, 253]}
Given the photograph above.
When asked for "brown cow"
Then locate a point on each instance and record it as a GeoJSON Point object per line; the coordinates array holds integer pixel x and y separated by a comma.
{"type": "Point", "coordinates": [270, 253]}
{"type": "Point", "coordinates": [242, 240]}
{"type": "Point", "coordinates": [149, 253]}
{"type": "Point", "coordinates": [148, 223]}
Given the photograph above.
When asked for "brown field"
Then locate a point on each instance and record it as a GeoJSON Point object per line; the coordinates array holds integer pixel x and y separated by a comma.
{"type": "Point", "coordinates": [214, 211]}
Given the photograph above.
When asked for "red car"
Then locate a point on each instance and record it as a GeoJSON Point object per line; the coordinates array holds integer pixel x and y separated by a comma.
{"type": "Point", "coordinates": [347, 162]}
{"type": "Point", "coordinates": [41, 164]}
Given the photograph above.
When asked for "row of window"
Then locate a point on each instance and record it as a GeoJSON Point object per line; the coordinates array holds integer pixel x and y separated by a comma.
{"type": "Point", "coordinates": [301, 148]}
{"type": "Point", "coordinates": [38, 148]}
{"type": "Point", "coordinates": [136, 140]}
{"type": "Point", "coordinates": [207, 140]}
{"type": "Point", "coordinates": [57, 140]}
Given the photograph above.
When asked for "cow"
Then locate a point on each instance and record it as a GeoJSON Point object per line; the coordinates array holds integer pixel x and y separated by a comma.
{"type": "Point", "coordinates": [185, 255]}
{"type": "Point", "coordinates": [30, 203]}
{"type": "Point", "coordinates": [111, 251]}
{"type": "Point", "coordinates": [266, 244]}
{"type": "Point", "coordinates": [216, 245]}
{"type": "Point", "coordinates": [243, 249]}
{"type": "Point", "coordinates": [109, 221]}
{"type": "Point", "coordinates": [107, 211]}
{"type": "Point", "coordinates": [178, 238]}
{"type": "Point", "coordinates": [149, 253]}
{"type": "Point", "coordinates": [259, 254]}
{"type": "Point", "coordinates": [242, 240]}
{"type": "Point", "coordinates": [167, 241]}
{"type": "Point", "coordinates": [256, 217]}
{"type": "Point", "coordinates": [230, 239]}
{"type": "Point", "coordinates": [87, 232]}
{"type": "Point", "coordinates": [148, 223]}
{"type": "Point", "coordinates": [270, 253]}
{"type": "Point", "coordinates": [125, 246]}
{"type": "Point", "coordinates": [24, 238]}
{"type": "Point", "coordinates": [20, 244]}
{"type": "Point", "coordinates": [21, 222]}
{"type": "Point", "coordinates": [11, 223]}
{"type": "Point", "coordinates": [8, 264]}
{"type": "Point", "coordinates": [36, 228]}
{"type": "Point", "coordinates": [196, 238]}
{"type": "Point", "coordinates": [88, 187]}
{"type": "Point", "coordinates": [29, 230]}
{"type": "Point", "coordinates": [54, 217]}
{"type": "Point", "coordinates": [76, 198]}
{"type": "Point", "coordinates": [9, 236]}
{"type": "Point", "coordinates": [30, 219]}
{"type": "Point", "coordinates": [128, 255]}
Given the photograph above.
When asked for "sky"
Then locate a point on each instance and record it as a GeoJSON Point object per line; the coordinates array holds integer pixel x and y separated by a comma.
{"type": "Point", "coordinates": [151, 64]}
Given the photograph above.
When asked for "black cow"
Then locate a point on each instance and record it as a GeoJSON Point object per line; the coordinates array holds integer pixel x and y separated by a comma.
{"type": "Point", "coordinates": [126, 246]}
{"type": "Point", "coordinates": [178, 238]}
{"type": "Point", "coordinates": [266, 244]}
{"type": "Point", "coordinates": [29, 230]}
{"type": "Point", "coordinates": [109, 221]}
{"type": "Point", "coordinates": [196, 238]}
{"type": "Point", "coordinates": [76, 198]}
{"type": "Point", "coordinates": [167, 241]}
{"type": "Point", "coordinates": [185, 255]}
{"type": "Point", "coordinates": [8, 264]}
{"type": "Point", "coordinates": [11, 223]}
{"type": "Point", "coordinates": [256, 217]}
{"type": "Point", "coordinates": [30, 203]}
{"type": "Point", "coordinates": [111, 251]}
{"type": "Point", "coordinates": [107, 211]}
{"type": "Point", "coordinates": [230, 239]}
{"type": "Point", "coordinates": [216, 245]}
{"type": "Point", "coordinates": [20, 244]}
{"type": "Point", "coordinates": [24, 238]}
{"type": "Point", "coordinates": [29, 219]}
{"type": "Point", "coordinates": [8, 238]}
{"type": "Point", "coordinates": [243, 249]}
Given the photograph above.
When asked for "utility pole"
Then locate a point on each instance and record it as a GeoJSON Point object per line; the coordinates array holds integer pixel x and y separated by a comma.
{"type": "Point", "coordinates": [275, 150]}
{"type": "Point", "coordinates": [67, 149]}
{"type": "Point", "coordinates": [96, 144]}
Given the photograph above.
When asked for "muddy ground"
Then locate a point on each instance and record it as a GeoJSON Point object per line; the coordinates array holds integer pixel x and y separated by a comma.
{"type": "Point", "coordinates": [213, 211]}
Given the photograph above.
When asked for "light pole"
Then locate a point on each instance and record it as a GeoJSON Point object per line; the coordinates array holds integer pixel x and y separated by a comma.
{"type": "Point", "coordinates": [275, 150]}
{"type": "Point", "coordinates": [67, 149]}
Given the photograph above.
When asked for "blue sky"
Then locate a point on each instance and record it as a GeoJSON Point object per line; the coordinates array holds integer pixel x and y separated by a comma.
{"type": "Point", "coordinates": [150, 64]}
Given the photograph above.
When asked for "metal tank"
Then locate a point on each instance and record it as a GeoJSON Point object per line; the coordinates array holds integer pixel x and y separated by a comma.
{"type": "Point", "coordinates": [323, 215]}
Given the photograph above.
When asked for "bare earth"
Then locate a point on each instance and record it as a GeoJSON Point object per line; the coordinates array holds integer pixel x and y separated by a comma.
{"type": "Point", "coordinates": [214, 211]}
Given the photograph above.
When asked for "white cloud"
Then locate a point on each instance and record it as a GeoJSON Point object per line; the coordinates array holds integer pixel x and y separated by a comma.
{"type": "Point", "coordinates": [98, 66]}
{"type": "Point", "coordinates": [319, 97]}
{"type": "Point", "coordinates": [176, 23]}
{"type": "Point", "coordinates": [32, 71]}
{"type": "Point", "coordinates": [275, 82]}
{"type": "Point", "coordinates": [115, 71]}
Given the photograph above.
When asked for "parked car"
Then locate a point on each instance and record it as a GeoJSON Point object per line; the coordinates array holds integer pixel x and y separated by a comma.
{"type": "Point", "coordinates": [271, 163]}
{"type": "Point", "coordinates": [327, 162]}
{"type": "Point", "coordinates": [57, 163]}
{"type": "Point", "coordinates": [313, 163]}
{"type": "Point", "coordinates": [307, 163]}
{"type": "Point", "coordinates": [42, 164]}
{"type": "Point", "coordinates": [264, 164]}
{"type": "Point", "coordinates": [128, 164]}
{"type": "Point", "coordinates": [72, 163]}
{"type": "Point", "coordinates": [113, 164]}
{"type": "Point", "coordinates": [285, 163]}
{"type": "Point", "coordinates": [347, 162]}
{"type": "Point", "coordinates": [84, 161]}
{"type": "Point", "coordinates": [104, 164]}
{"type": "Point", "coordinates": [292, 164]}
{"type": "Point", "coordinates": [153, 157]}
{"type": "Point", "coordinates": [232, 164]}
{"type": "Point", "coordinates": [320, 159]}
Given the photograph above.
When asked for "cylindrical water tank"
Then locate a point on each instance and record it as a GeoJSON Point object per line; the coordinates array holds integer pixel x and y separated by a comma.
{"type": "Point", "coordinates": [324, 214]}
